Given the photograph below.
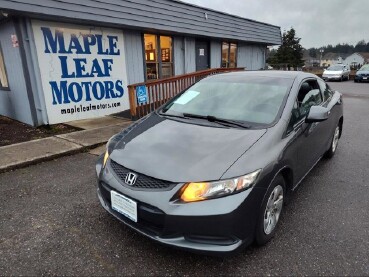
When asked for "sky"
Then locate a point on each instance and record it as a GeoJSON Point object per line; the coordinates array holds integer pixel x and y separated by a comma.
{"type": "Point", "coordinates": [317, 22]}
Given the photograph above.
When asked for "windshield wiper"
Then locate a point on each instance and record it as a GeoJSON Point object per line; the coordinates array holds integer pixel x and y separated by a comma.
{"type": "Point", "coordinates": [171, 115]}
{"type": "Point", "coordinates": [211, 118]}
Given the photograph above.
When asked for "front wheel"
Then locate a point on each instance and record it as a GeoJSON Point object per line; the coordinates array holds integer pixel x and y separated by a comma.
{"type": "Point", "coordinates": [271, 211]}
{"type": "Point", "coordinates": [332, 150]}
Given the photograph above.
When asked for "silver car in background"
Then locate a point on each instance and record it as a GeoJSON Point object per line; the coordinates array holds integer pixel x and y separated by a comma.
{"type": "Point", "coordinates": [337, 72]}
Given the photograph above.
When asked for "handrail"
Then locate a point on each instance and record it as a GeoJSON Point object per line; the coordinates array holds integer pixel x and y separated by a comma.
{"type": "Point", "coordinates": [158, 92]}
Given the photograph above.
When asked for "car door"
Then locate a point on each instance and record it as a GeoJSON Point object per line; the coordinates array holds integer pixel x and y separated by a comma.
{"type": "Point", "coordinates": [328, 126]}
{"type": "Point", "coordinates": [309, 134]}
{"type": "Point", "coordinates": [345, 71]}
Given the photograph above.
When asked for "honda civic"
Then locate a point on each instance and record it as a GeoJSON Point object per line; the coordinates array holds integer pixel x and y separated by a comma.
{"type": "Point", "coordinates": [211, 170]}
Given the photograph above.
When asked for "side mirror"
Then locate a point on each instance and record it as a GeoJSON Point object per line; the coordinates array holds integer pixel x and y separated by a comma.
{"type": "Point", "coordinates": [317, 114]}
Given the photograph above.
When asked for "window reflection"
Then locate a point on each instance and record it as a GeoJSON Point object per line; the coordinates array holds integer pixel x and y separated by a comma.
{"type": "Point", "coordinates": [229, 55]}
{"type": "Point", "coordinates": [3, 77]}
{"type": "Point", "coordinates": [225, 54]}
{"type": "Point", "coordinates": [151, 57]}
{"type": "Point", "coordinates": [159, 64]}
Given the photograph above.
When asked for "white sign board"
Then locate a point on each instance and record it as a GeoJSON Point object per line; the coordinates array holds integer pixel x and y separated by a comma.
{"type": "Point", "coordinates": [83, 70]}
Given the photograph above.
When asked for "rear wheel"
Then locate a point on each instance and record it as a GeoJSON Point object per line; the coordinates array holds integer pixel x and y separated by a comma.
{"type": "Point", "coordinates": [332, 150]}
{"type": "Point", "coordinates": [271, 211]}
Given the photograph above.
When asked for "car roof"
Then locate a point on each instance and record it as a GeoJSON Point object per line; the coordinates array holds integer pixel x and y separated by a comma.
{"type": "Point", "coordinates": [267, 73]}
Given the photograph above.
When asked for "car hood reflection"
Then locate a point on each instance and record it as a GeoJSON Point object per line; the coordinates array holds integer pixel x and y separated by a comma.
{"type": "Point", "coordinates": [181, 152]}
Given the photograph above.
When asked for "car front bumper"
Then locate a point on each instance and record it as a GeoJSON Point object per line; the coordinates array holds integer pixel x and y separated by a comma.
{"type": "Point", "coordinates": [360, 78]}
{"type": "Point", "coordinates": [331, 77]}
{"type": "Point", "coordinates": [218, 226]}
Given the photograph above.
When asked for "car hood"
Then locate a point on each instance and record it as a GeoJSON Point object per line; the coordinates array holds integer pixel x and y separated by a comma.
{"type": "Point", "coordinates": [182, 152]}
{"type": "Point", "coordinates": [333, 72]}
{"type": "Point", "coordinates": [362, 72]}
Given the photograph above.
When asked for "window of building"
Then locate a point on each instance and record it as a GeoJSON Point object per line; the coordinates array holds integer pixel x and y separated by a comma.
{"type": "Point", "coordinates": [229, 55]}
{"type": "Point", "coordinates": [158, 56]}
{"type": "Point", "coordinates": [4, 84]}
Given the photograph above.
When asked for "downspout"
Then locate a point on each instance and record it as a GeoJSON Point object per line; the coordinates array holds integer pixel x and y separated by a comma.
{"type": "Point", "coordinates": [41, 107]}
{"type": "Point", "coordinates": [184, 55]}
{"type": "Point", "coordinates": [26, 73]}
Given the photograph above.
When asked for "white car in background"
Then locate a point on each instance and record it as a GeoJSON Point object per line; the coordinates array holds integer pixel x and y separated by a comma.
{"type": "Point", "coordinates": [337, 72]}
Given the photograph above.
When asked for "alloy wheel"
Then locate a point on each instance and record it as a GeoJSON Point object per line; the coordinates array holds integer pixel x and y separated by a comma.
{"type": "Point", "coordinates": [273, 209]}
{"type": "Point", "coordinates": [335, 139]}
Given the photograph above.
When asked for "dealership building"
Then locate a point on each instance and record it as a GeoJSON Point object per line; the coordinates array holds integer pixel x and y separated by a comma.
{"type": "Point", "coordinates": [63, 60]}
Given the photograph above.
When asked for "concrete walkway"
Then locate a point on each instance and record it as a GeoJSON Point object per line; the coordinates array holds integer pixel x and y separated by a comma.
{"type": "Point", "coordinates": [97, 133]}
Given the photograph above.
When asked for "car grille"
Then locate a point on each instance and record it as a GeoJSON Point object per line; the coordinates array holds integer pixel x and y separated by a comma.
{"type": "Point", "coordinates": [142, 181]}
{"type": "Point", "coordinates": [151, 219]}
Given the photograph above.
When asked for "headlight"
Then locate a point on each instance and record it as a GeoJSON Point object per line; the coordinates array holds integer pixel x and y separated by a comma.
{"type": "Point", "coordinates": [110, 146]}
{"type": "Point", "coordinates": [201, 191]}
{"type": "Point", "coordinates": [106, 157]}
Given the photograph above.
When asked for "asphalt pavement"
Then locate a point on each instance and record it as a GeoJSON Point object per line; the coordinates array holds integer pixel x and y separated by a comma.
{"type": "Point", "coordinates": [51, 222]}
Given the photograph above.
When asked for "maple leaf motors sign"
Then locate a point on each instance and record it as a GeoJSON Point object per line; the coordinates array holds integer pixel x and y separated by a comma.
{"type": "Point", "coordinates": [83, 70]}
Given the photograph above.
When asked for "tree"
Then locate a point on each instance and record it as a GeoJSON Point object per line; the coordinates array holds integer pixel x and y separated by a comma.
{"type": "Point", "coordinates": [361, 46]}
{"type": "Point", "coordinates": [313, 52]}
{"type": "Point", "coordinates": [289, 54]}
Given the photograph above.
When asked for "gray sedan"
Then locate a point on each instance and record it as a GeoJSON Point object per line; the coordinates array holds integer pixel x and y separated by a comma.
{"type": "Point", "coordinates": [338, 72]}
{"type": "Point", "coordinates": [210, 171]}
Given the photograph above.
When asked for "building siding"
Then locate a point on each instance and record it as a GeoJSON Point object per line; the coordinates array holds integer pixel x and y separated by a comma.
{"type": "Point", "coordinates": [215, 54]}
{"type": "Point", "coordinates": [354, 58]}
{"type": "Point", "coordinates": [190, 55]}
{"type": "Point", "coordinates": [251, 56]}
{"type": "Point", "coordinates": [161, 15]}
{"type": "Point", "coordinates": [13, 103]}
{"type": "Point", "coordinates": [179, 56]}
{"type": "Point", "coordinates": [134, 56]}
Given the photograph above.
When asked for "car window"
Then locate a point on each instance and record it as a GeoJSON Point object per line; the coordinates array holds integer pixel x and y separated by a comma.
{"type": "Point", "coordinates": [309, 95]}
{"type": "Point", "coordinates": [256, 100]}
{"type": "Point", "coordinates": [335, 68]}
{"type": "Point", "coordinates": [364, 67]}
{"type": "Point", "coordinates": [295, 116]}
{"type": "Point", "coordinates": [327, 92]}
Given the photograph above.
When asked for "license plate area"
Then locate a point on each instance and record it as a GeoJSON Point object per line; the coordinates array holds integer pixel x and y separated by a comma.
{"type": "Point", "coordinates": [124, 205]}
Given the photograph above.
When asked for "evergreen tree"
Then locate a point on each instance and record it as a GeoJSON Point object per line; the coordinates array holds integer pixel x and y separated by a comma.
{"type": "Point", "coordinates": [361, 46]}
{"type": "Point", "coordinates": [289, 54]}
{"type": "Point", "coordinates": [313, 52]}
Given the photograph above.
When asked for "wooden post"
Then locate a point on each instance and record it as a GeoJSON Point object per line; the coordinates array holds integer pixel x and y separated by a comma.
{"type": "Point", "coordinates": [132, 101]}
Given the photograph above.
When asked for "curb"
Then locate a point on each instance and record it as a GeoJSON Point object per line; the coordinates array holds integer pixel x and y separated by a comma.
{"type": "Point", "coordinates": [39, 160]}
{"type": "Point", "coordinates": [46, 158]}
{"type": "Point", "coordinates": [28, 153]}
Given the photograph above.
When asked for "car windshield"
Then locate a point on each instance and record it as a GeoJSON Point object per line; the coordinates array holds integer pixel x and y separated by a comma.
{"type": "Point", "coordinates": [238, 98]}
{"type": "Point", "coordinates": [335, 68]}
{"type": "Point", "coordinates": [364, 68]}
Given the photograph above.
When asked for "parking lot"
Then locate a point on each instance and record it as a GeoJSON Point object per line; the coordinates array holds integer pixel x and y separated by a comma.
{"type": "Point", "coordinates": [51, 222]}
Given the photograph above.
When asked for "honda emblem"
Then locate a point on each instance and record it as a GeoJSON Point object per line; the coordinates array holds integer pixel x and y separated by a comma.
{"type": "Point", "coordinates": [131, 179]}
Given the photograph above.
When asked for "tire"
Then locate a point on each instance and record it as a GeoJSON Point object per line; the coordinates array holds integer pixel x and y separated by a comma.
{"type": "Point", "coordinates": [333, 148]}
{"type": "Point", "coordinates": [270, 216]}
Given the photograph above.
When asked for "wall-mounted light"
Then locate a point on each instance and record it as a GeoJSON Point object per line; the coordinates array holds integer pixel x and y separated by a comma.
{"type": "Point", "coordinates": [4, 14]}
{"type": "Point", "coordinates": [206, 16]}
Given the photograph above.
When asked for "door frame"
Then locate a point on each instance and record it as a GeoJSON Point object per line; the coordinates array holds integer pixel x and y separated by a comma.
{"type": "Point", "coordinates": [196, 54]}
